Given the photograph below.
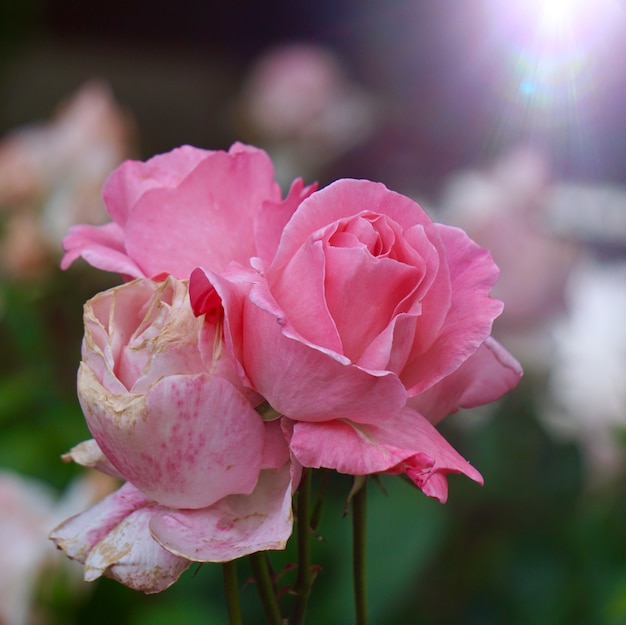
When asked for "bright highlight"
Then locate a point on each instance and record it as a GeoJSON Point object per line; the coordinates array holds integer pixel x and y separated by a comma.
{"type": "Point", "coordinates": [558, 49]}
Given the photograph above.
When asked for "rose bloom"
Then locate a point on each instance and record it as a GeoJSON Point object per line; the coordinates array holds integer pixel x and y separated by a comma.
{"type": "Point", "coordinates": [370, 324]}
{"type": "Point", "coordinates": [347, 309]}
{"type": "Point", "coordinates": [187, 208]}
{"type": "Point", "coordinates": [207, 479]}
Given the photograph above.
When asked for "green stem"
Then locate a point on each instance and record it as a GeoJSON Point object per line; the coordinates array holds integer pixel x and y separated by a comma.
{"type": "Point", "coordinates": [304, 580]}
{"type": "Point", "coordinates": [231, 589]}
{"type": "Point", "coordinates": [359, 511]}
{"type": "Point", "coordinates": [265, 588]}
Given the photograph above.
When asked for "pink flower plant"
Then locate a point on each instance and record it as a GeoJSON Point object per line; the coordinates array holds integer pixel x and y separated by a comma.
{"type": "Point", "coordinates": [370, 324]}
{"type": "Point", "coordinates": [334, 328]}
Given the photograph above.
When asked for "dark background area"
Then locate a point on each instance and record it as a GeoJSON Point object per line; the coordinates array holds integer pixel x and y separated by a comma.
{"type": "Point", "coordinates": [454, 74]}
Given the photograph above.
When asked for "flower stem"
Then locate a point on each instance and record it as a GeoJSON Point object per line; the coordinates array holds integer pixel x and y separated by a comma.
{"type": "Point", "coordinates": [359, 511]}
{"type": "Point", "coordinates": [265, 587]}
{"type": "Point", "coordinates": [304, 580]}
{"type": "Point", "coordinates": [231, 589]}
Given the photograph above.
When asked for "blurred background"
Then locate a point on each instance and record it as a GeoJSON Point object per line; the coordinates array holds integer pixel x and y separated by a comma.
{"type": "Point", "coordinates": [504, 118]}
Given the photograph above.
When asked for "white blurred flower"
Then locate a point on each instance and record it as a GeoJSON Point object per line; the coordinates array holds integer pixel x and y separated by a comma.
{"type": "Point", "coordinates": [588, 381]}
{"type": "Point", "coordinates": [29, 510]}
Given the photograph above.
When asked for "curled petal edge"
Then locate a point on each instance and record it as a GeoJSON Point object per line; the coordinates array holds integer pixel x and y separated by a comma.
{"type": "Point", "coordinates": [112, 539]}
{"type": "Point", "coordinates": [237, 525]}
{"type": "Point", "coordinates": [407, 444]}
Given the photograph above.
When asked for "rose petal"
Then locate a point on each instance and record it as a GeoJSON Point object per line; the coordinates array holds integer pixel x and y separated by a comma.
{"type": "Point", "coordinates": [407, 443]}
{"type": "Point", "coordinates": [131, 556]}
{"type": "Point", "coordinates": [306, 306]}
{"type": "Point", "coordinates": [481, 379]}
{"type": "Point", "coordinates": [341, 199]}
{"type": "Point", "coordinates": [88, 454]}
{"type": "Point", "coordinates": [178, 229]}
{"type": "Point", "coordinates": [133, 178]}
{"type": "Point", "coordinates": [100, 246]}
{"type": "Point", "coordinates": [298, 379]}
{"type": "Point", "coordinates": [235, 526]}
{"type": "Point", "coordinates": [81, 533]}
{"type": "Point", "coordinates": [353, 277]}
{"type": "Point", "coordinates": [275, 449]}
{"type": "Point", "coordinates": [273, 217]}
{"type": "Point", "coordinates": [391, 349]}
{"type": "Point", "coordinates": [470, 316]}
{"type": "Point", "coordinates": [305, 381]}
{"type": "Point", "coordinates": [112, 538]}
{"type": "Point", "coordinates": [171, 213]}
{"type": "Point", "coordinates": [210, 294]}
{"type": "Point", "coordinates": [189, 442]}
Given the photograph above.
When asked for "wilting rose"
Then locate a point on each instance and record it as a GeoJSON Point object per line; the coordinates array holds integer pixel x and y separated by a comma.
{"type": "Point", "coordinates": [146, 546]}
{"type": "Point", "coordinates": [370, 325]}
{"type": "Point", "coordinates": [170, 416]}
{"type": "Point", "coordinates": [187, 208]}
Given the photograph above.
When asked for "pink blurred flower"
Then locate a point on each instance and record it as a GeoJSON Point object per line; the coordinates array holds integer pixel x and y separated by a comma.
{"type": "Point", "coordinates": [502, 209]}
{"type": "Point", "coordinates": [186, 208]}
{"type": "Point", "coordinates": [370, 324]}
{"type": "Point", "coordinates": [299, 101]}
{"type": "Point", "coordinates": [169, 415]}
{"type": "Point", "coordinates": [52, 174]}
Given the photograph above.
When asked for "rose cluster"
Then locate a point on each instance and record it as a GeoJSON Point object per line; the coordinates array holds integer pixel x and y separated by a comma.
{"type": "Point", "coordinates": [255, 336]}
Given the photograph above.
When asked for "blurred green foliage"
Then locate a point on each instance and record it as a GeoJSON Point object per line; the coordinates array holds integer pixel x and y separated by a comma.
{"type": "Point", "coordinates": [534, 545]}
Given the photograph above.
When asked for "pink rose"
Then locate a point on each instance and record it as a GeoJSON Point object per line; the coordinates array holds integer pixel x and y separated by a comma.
{"type": "Point", "coordinates": [370, 324]}
{"type": "Point", "coordinates": [184, 209]}
{"type": "Point", "coordinates": [169, 415]}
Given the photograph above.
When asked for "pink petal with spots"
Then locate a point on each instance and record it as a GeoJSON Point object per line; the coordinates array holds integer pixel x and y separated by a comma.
{"type": "Point", "coordinates": [235, 526]}
{"type": "Point", "coordinates": [79, 535]}
{"type": "Point", "coordinates": [190, 441]}
{"type": "Point", "coordinates": [112, 538]}
{"type": "Point", "coordinates": [131, 556]}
